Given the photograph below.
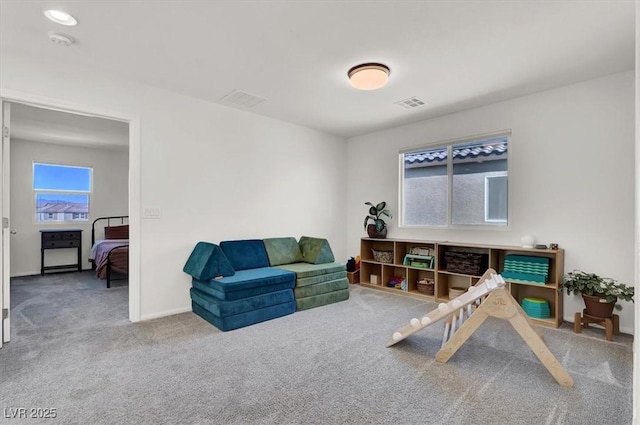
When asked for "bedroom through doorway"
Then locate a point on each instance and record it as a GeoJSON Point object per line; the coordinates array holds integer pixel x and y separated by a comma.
{"type": "Point", "coordinates": [66, 170]}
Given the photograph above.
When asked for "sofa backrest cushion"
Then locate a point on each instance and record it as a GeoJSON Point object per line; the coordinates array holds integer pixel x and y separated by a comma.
{"type": "Point", "coordinates": [208, 261]}
{"type": "Point", "coordinates": [316, 250]}
{"type": "Point", "coordinates": [245, 254]}
{"type": "Point", "coordinates": [283, 251]}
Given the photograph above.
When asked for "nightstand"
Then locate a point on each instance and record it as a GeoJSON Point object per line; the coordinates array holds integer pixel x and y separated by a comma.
{"type": "Point", "coordinates": [60, 239]}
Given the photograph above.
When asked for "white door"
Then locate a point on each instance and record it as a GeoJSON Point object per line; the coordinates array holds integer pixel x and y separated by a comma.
{"type": "Point", "coordinates": [4, 207]}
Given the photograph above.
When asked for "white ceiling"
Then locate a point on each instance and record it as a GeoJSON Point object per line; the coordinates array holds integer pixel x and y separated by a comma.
{"type": "Point", "coordinates": [49, 126]}
{"type": "Point", "coordinates": [453, 55]}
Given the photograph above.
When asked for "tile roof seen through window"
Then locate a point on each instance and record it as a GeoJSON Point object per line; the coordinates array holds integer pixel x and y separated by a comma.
{"type": "Point", "coordinates": [62, 206]}
{"type": "Point", "coordinates": [471, 151]}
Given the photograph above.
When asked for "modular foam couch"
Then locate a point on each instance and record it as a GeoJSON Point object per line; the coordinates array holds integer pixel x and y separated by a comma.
{"type": "Point", "coordinates": [243, 282]}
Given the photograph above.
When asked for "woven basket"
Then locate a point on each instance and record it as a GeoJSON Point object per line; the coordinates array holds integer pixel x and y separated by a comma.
{"type": "Point", "coordinates": [382, 256]}
{"type": "Point", "coordinates": [426, 286]}
{"type": "Point", "coordinates": [455, 292]}
{"type": "Point", "coordinates": [465, 262]}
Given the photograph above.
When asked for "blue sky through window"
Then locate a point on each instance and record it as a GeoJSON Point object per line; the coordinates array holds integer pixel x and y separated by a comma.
{"type": "Point", "coordinates": [61, 177]}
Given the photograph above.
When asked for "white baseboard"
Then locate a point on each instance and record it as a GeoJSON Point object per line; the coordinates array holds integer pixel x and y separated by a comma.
{"type": "Point", "coordinates": [37, 273]}
{"type": "Point", "coordinates": [24, 274]}
{"type": "Point", "coordinates": [166, 313]}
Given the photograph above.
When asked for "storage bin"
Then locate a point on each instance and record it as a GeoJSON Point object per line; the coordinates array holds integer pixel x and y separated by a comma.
{"type": "Point", "coordinates": [455, 292]}
{"type": "Point", "coordinates": [466, 262]}
{"type": "Point", "coordinates": [382, 256]}
{"type": "Point", "coordinates": [426, 286]}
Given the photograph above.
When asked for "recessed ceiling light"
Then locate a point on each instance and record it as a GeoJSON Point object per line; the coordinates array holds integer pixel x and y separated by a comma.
{"type": "Point", "coordinates": [60, 17]}
{"type": "Point", "coordinates": [369, 76]}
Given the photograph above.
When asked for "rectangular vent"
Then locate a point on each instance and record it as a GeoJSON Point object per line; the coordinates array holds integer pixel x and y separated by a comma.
{"type": "Point", "coordinates": [242, 99]}
{"type": "Point", "coordinates": [411, 102]}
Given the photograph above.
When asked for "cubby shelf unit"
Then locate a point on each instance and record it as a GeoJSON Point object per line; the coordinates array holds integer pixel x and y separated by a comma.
{"type": "Point", "coordinates": [445, 280]}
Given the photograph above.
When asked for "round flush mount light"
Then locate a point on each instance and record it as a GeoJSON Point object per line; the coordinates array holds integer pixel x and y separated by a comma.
{"type": "Point", "coordinates": [369, 76]}
{"type": "Point", "coordinates": [60, 17]}
{"type": "Point", "coordinates": [60, 39]}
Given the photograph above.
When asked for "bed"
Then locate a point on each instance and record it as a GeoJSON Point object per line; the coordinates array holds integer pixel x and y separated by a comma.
{"type": "Point", "coordinates": [110, 249]}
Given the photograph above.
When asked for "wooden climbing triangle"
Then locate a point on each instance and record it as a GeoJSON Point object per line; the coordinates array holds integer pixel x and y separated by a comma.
{"type": "Point", "coordinates": [499, 303]}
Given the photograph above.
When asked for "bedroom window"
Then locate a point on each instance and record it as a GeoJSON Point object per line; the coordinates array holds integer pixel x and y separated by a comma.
{"type": "Point", "coordinates": [62, 192]}
{"type": "Point", "coordinates": [456, 183]}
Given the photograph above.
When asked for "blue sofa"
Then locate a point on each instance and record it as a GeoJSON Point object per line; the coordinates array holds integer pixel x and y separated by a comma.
{"type": "Point", "coordinates": [244, 282]}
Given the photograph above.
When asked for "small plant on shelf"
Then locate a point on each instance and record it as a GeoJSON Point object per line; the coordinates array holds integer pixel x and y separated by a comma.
{"type": "Point", "coordinates": [602, 290]}
{"type": "Point", "coordinates": [379, 227]}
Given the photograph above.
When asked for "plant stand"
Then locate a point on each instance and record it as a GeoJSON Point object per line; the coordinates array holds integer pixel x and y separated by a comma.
{"type": "Point", "coordinates": [610, 324]}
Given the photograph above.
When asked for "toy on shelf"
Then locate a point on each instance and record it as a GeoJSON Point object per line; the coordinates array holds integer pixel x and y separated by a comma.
{"type": "Point", "coordinates": [467, 312]}
{"type": "Point", "coordinates": [351, 264]}
{"type": "Point", "coordinates": [397, 282]}
{"type": "Point", "coordinates": [528, 269]}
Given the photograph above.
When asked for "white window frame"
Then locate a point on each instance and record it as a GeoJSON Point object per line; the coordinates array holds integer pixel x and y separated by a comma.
{"type": "Point", "coordinates": [37, 192]}
{"type": "Point", "coordinates": [490, 225]}
{"type": "Point", "coordinates": [486, 197]}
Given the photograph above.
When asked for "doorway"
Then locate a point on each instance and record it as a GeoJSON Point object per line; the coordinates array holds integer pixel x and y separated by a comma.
{"type": "Point", "coordinates": [88, 130]}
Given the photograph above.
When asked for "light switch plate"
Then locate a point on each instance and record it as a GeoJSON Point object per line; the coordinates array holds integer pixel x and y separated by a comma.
{"type": "Point", "coordinates": [151, 212]}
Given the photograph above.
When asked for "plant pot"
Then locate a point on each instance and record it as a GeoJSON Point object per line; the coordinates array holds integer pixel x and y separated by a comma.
{"type": "Point", "coordinates": [596, 307]}
{"type": "Point", "coordinates": [371, 231]}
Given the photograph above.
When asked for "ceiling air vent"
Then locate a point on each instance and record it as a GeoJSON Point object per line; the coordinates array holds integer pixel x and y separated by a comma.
{"type": "Point", "coordinates": [242, 99]}
{"type": "Point", "coordinates": [411, 102]}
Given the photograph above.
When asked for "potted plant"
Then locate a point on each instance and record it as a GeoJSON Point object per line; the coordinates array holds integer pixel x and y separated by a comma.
{"type": "Point", "coordinates": [600, 294]}
{"type": "Point", "coordinates": [378, 229]}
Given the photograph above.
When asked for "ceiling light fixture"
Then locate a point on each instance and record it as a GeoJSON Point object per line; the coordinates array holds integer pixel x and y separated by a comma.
{"type": "Point", "coordinates": [60, 17]}
{"type": "Point", "coordinates": [369, 76]}
{"type": "Point", "coordinates": [61, 39]}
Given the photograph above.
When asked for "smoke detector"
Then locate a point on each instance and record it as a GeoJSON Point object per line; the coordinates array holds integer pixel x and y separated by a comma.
{"type": "Point", "coordinates": [61, 39]}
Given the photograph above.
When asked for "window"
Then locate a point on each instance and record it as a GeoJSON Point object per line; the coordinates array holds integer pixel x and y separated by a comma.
{"type": "Point", "coordinates": [459, 183]}
{"type": "Point", "coordinates": [62, 192]}
{"type": "Point", "coordinates": [495, 198]}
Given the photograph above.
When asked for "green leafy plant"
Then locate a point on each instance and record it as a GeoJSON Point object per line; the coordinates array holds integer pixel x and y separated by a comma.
{"type": "Point", "coordinates": [591, 284]}
{"type": "Point", "coordinates": [375, 212]}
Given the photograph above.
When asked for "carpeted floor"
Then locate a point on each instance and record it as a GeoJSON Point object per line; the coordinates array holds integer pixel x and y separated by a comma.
{"type": "Point", "coordinates": [73, 349]}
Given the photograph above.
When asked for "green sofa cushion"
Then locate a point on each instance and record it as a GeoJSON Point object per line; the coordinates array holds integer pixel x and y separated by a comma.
{"type": "Point", "coordinates": [304, 270]}
{"type": "Point", "coordinates": [282, 251]}
{"type": "Point", "coordinates": [321, 288]}
{"type": "Point", "coordinates": [236, 321]}
{"type": "Point", "coordinates": [207, 261]}
{"type": "Point", "coordinates": [314, 280]}
{"type": "Point", "coordinates": [245, 254]}
{"type": "Point", "coordinates": [231, 308]}
{"type": "Point", "coordinates": [247, 283]}
{"type": "Point", "coordinates": [322, 299]}
{"type": "Point", "coordinates": [316, 250]}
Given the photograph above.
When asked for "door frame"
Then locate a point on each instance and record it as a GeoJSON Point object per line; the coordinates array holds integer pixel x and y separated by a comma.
{"type": "Point", "coordinates": [5, 264]}
{"type": "Point", "coordinates": [133, 120]}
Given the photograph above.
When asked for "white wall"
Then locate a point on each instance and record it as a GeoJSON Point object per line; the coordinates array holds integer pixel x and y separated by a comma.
{"type": "Point", "coordinates": [217, 173]}
{"type": "Point", "coordinates": [109, 197]}
{"type": "Point", "coordinates": [572, 175]}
